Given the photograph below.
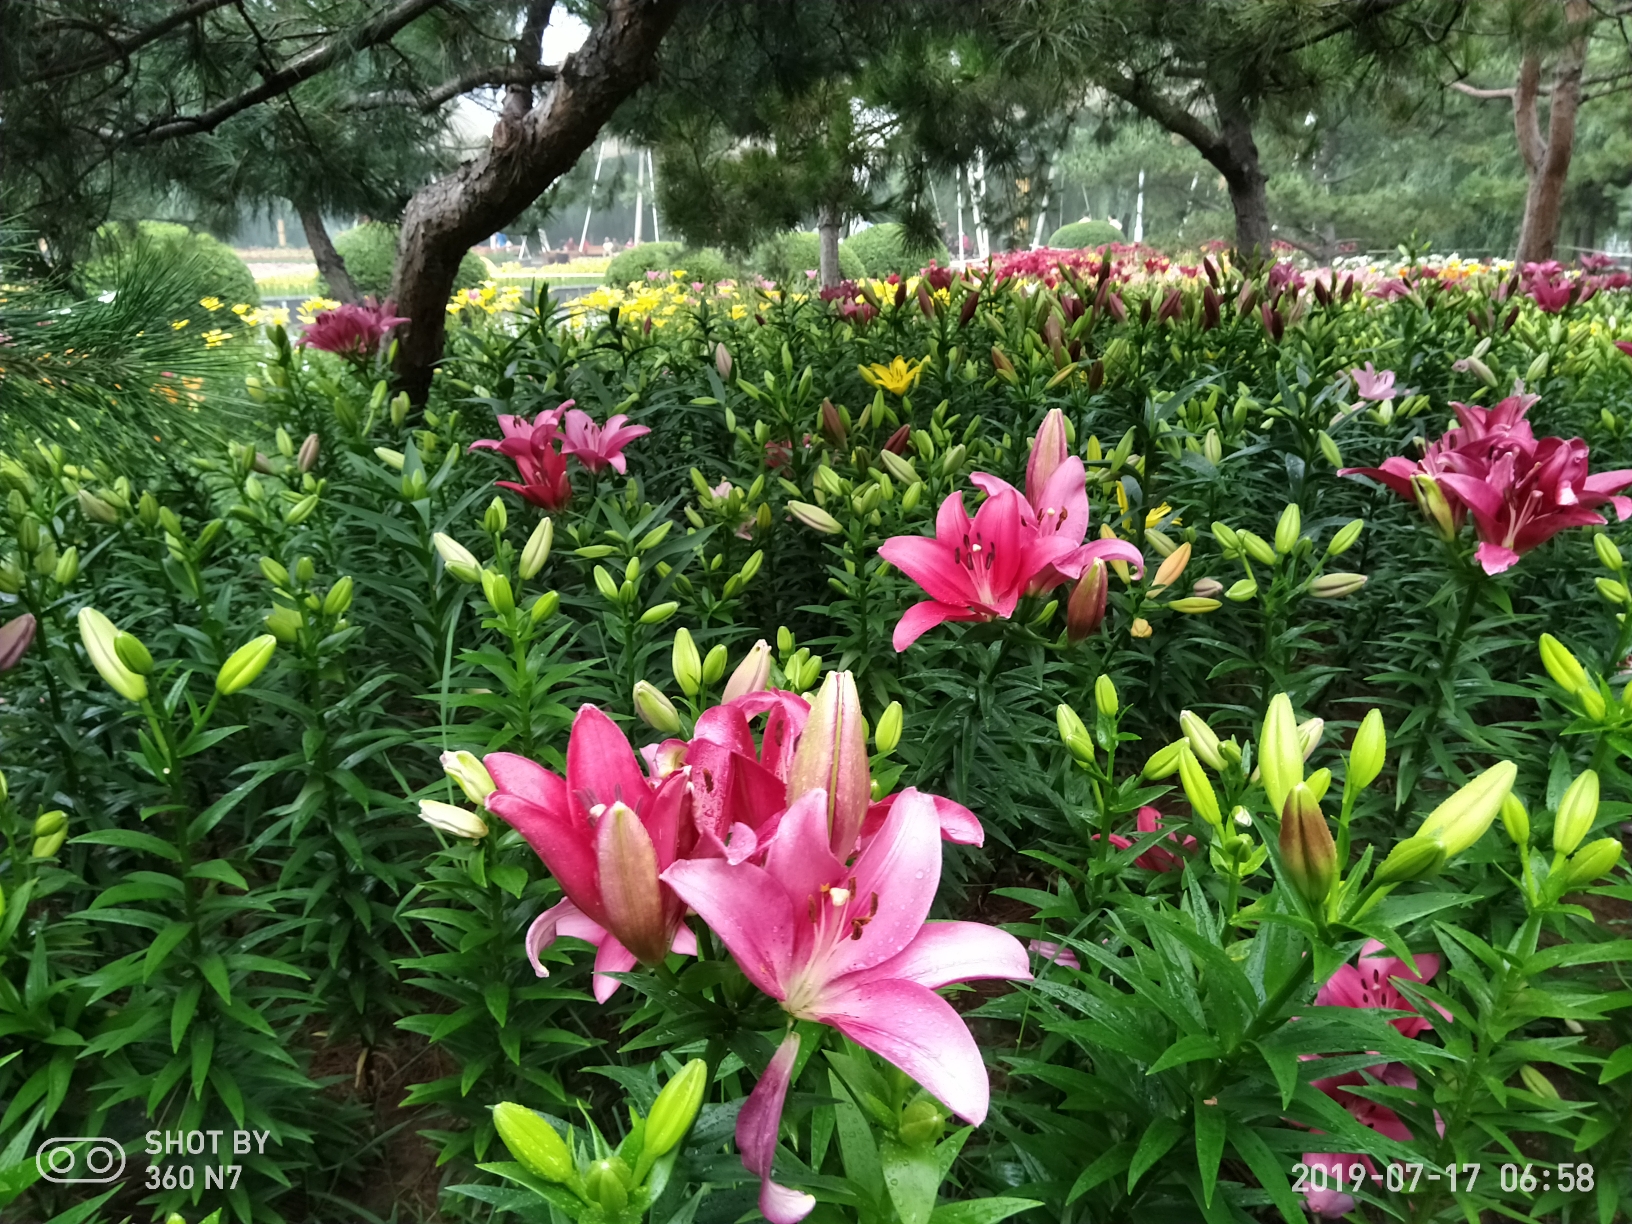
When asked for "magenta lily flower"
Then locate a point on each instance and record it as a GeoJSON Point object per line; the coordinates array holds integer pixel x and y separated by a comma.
{"type": "Point", "coordinates": [352, 331]}
{"type": "Point", "coordinates": [599, 447]}
{"type": "Point", "coordinates": [543, 469]}
{"type": "Point", "coordinates": [606, 832]}
{"type": "Point", "coordinates": [848, 945]}
{"type": "Point", "coordinates": [1371, 384]}
{"type": "Point", "coordinates": [758, 1125]}
{"type": "Point", "coordinates": [1370, 984]}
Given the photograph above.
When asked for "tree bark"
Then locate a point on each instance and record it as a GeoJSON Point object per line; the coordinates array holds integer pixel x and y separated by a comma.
{"type": "Point", "coordinates": [531, 147]}
{"type": "Point", "coordinates": [827, 231]}
{"type": "Point", "coordinates": [1245, 178]}
{"type": "Point", "coordinates": [1547, 163]}
{"type": "Point", "coordinates": [329, 262]}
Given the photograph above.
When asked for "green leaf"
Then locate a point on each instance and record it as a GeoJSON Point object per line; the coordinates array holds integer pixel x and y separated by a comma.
{"type": "Point", "coordinates": [181, 1014]}
{"type": "Point", "coordinates": [1211, 1123]}
{"type": "Point", "coordinates": [128, 839]}
{"type": "Point", "coordinates": [1186, 1050]}
{"type": "Point", "coordinates": [1157, 1141]}
{"type": "Point", "coordinates": [912, 1176]}
{"type": "Point", "coordinates": [221, 871]}
{"type": "Point", "coordinates": [1616, 1065]}
{"type": "Point", "coordinates": [163, 944]}
{"type": "Point", "coordinates": [214, 970]}
{"type": "Point", "coordinates": [981, 1211]}
{"type": "Point", "coordinates": [1105, 1167]}
{"type": "Point", "coordinates": [1269, 1170]}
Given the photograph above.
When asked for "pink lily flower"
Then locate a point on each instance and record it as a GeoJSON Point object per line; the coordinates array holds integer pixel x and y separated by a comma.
{"type": "Point", "coordinates": [1372, 384]}
{"type": "Point", "coordinates": [1158, 857]}
{"type": "Point", "coordinates": [1331, 1202]}
{"type": "Point", "coordinates": [352, 331]}
{"type": "Point", "coordinates": [1551, 297]}
{"type": "Point", "coordinates": [598, 447]}
{"type": "Point", "coordinates": [1369, 984]}
{"type": "Point", "coordinates": [758, 1125]}
{"type": "Point", "coordinates": [847, 945]}
{"type": "Point", "coordinates": [606, 832]}
{"type": "Point", "coordinates": [543, 469]}
{"type": "Point", "coordinates": [1054, 953]}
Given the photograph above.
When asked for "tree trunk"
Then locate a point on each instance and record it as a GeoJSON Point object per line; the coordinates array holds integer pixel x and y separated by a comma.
{"type": "Point", "coordinates": [529, 150]}
{"type": "Point", "coordinates": [1245, 179]}
{"type": "Point", "coordinates": [1547, 164]}
{"type": "Point", "coordinates": [329, 263]}
{"type": "Point", "coordinates": [827, 230]}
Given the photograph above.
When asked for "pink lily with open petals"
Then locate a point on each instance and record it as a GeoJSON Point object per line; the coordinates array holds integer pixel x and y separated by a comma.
{"type": "Point", "coordinates": [606, 832]}
{"type": "Point", "coordinates": [1369, 984]}
{"type": "Point", "coordinates": [1373, 384]}
{"type": "Point", "coordinates": [543, 469]}
{"type": "Point", "coordinates": [598, 447]}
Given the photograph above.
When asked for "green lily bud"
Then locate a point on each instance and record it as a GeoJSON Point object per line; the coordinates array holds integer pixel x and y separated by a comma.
{"type": "Point", "coordinates": [99, 636]}
{"type": "Point", "coordinates": [1201, 739]}
{"type": "Point", "coordinates": [1533, 1079]}
{"type": "Point", "coordinates": [1561, 665]}
{"type": "Point", "coordinates": [1318, 782]}
{"type": "Point", "coordinates": [50, 823]}
{"type": "Point", "coordinates": [1195, 605]}
{"type": "Point", "coordinates": [1164, 762]}
{"type": "Point", "coordinates": [537, 550]}
{"type": "Point", "coordinates": [1576, 812]}
{"type": "Point", "coordinates": [953, 459]}
{"type": "Point", "coordinates": [47, 847]}
{"type": "Point", "coordinates": [1197, 788]}
{"type": "Point", "coordinates": [1608, 553]}
{"type": "Point", "coordinates": [1308, 853]}
{"type": "Point", "coordinates": [535, 1144]}
{"type": "Point", "coordinates": [1280, 755]}
{"type": "Point", "coordinates": [1592, 703]}
{"type": "Point", "coordinates": [1328, 447]}
{"type": "Point", "coordinates": [467, 770]}
{"type": "Point", "coordinates": [1463, 818]}
{"type": "Point", "coordinates": [456, 558]}
{"type": "Point", "coordinates": [1105, 698]}
{"type": "Point", "coordinates": [1345, 538]}
{"type": "Point", "coordinates": [1431, 501]}
{"type": "Point", "coordinates": [909, 499]}
{"type": "Point", "coordinates": [654, 709]}
{"type": "Point", "coordinates": [496, 590]}
{"type": "Point", "coordinates": [132, 653]}
{"type": "Point", "coordinates": [95, 509]}
{"type": "Point", "coordinates": [1074, 734]}
{"type": "Point", "coordinates": [1367, 754]}
{"type": "Point", "coordinates": [495, 518]}
{"type": "Point", "coordinates": [452, 820]}
{"type": "Point", "coordinates": [284, 623]}
{"type": "Point", "coordinates": [1288, 529]}
{"type": "Point", "coordinates": [1614, 592]}
{"type": "Point", "coordinates": [1257, 548]}
{"type": "Point", "coordinates": [11, 576]}
{"type": "Point", "coordinates": [274, 573]}
{"type": "Point", "coordinates": [393, 459]}
{"type": "Point", "coordinates": [245, 665]}
{"type": "Point", "coordinates": [658, 613]}
{"type": "Point", "coordinates": [1336, 586]}
{"type": "Point", "coordinates": [686, 663]}
{"type": "Point", "coordinates": [338, 599]}
{"type": "Point", "coordinates": [147, 510]}
{"type": "Point", "coordinates": [714, 663]}
{"type": "Point", "coordinates": [1516, 820]}
{"type": "Point", "coordinates": [1241, 590]}
{"type": "Point", "coordinates": [607, 1184]}
{"type": "Point", "coordinates": [899, 466]}
{"type": "Point", "coordinates": [1227, 538]}
{"type": "Point", "coordinates": [815, 518]}
{"type": "Point", "coordinates": [888, 733]}
{"type": "Point", "coordinates": [544, 607]}
{"type": "Point", "coordinates": [1415, 858]}
{"type": "Point", "coordinates": [305, 571]}
{"type": "Point", "coordinates": [922, 1124]}
{"type": "Point", "coordinates": [1593, 862]}
{"type": "Point", "coordinates": [674, 1110]}
{"type": "Point", "coordinates": [400, 404]}
{"type": "Point", "coordinates": [605, 585]}
{"type": "Point", "coordinates": [67, 567]}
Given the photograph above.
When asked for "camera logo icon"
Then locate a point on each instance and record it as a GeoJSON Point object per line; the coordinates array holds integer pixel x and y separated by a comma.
{"type": "Point", "coordinates": [64, 1161]}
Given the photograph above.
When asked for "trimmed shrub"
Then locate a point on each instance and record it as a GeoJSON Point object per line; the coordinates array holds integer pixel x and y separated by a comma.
{"type": "Point", "coordinates": [881, 251]}
{"type": "Point", "coordinates": [204, 265]}
{"type": "Point", "coordinates": [370, 252]}
{"type": "Point", "coordinates": [1082, 234]}
{"type": "Point", "coordinates": [786, 258]}
{"type": "Point", "coordinates": [700, 263]}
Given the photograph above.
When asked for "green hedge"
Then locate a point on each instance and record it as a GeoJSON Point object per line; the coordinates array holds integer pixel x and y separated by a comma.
{"type": "Point", "coordinates": [1081, 234]}
{"type": "Point", "coordinates": [204, 265]}
{"type": "Point", "coordinates": [786, 258]}
{"type": "Point", "coordinates": [700, 263]}
{"type": "Point", "coordinates": [881, 250]}
{"type": "Point", "coordinates": [370, 252]}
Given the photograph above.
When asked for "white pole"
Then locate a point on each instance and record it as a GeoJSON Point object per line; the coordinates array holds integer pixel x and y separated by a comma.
{"type": "Point", "coordinates": [1042, 216]}
{"type": "Point", "coordinates": [590, 207]}
{"type": "Point", "coordinates": [961, 173]}
{"type": "Point", "coordinates": [651, 179]}
{"type": "Point", "coordinates": [1139, 212]}
{"type": "Point", "coordinates": [640, 180]}
{"type": "Point", "coordinates": [983, 245]}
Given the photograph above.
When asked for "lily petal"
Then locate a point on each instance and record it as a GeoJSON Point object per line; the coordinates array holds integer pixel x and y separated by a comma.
{"type": "Point", "coordinates": [758, 1126]}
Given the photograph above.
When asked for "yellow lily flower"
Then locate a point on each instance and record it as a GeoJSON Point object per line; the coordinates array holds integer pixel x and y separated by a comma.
{"type": "Point", "coordinates": [897, 378]}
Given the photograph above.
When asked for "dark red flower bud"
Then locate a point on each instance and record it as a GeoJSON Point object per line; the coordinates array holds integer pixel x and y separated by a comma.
{"type": "Point", "coordinates": [1144, 312]}
{"type": "Point", "coordinates": [901, 293]}
{"type": "Point", "coordinates": [970, 301]}
{"type": "Point", "coordinates": [1172, 306]}
{"type": "Point", "coordinates": [1210, 305]}
{"type": "Point", "coordinates": [898, 440]}
{"type": "Point", "coordinates": [1096, 376]}
{"type": "Point", "coordinates": [925, 302]}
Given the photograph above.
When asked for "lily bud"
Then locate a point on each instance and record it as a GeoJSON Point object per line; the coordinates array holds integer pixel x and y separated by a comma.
{"type": "Point", "coordinates": [1288, 529]}
{"type": "Point", "coordinates": [393, 459]}
{"type": "Point", "coordinates": [1164, 762]}
{"type": "Point", "coordinates": [1192, 605]}
{"type": "Point", "coordinates": [1515, 820]}
{"type": "Point", "coordinates": [1310, 733]}
{"type": "Point", "coordinates": [1608, 553]}
{"type": "Point", "coordinates": [1593, 862]}
{"type": "Point", "coordinates": [1198, 789]}
{"type": "Point", "coordinates": [1561, 665]}
{"type": "Point", "coordinates": [922, 1124]}
{"type": "Point", "coordinates": [498, 593]}
{"type": "Point", "coordinates": [833, 423]}
{"type": "Point", "coordinates": [1280, 756]}
{"type": "Point", "coordinates": [607, 1183]}
{"type": "Point", "coordinates": [1170, 569]}
{"type": "Point", "coordinates": [284, 622]}
{"type": "Point", "coordinates": [1308, 853]}
{"type": "Point", "coordinates": [1318, 783]}
{"type": "Point", "coordinates": [1207, 588]}
{"type": "Point", "coordinates": [245, 665]}
{"type": "Point", "coordinates": [132, 653]}
{"type": "Point", "coordinates": [1241, 590]}
{"type": "Point", "coordinates": [147, 510]}
{"type": "Point", "coordinates": [98, 634]}
{"type": "Point", "coordinates": [1415, 858]}
{"type": "Point", "coordinates": [751, 675]}
{"type": "Point", "coordinates": [537, 549]}
{"type": "Point", "coordinates": [1328, 447]}
{"type": "Point", "coordinates": [1228, 539]}
{"type": "Point", "coordinates": [629, 886]}
{"type": "Point", "coordinates": [815, 518]}
{"type": "Point", "coordinates": [535, 1144]}
{"type": "Point", "coordinates": [654, 709]}
{"type": "Point", "coordinates": [1105, 698]}
{"type": "Point", "coordinates": [452, 820]}
{"type": "Point", "coordinates": [1141, 628]}
{"type": "Point", "coordinates": [1256, 547]}
{"type": "Point", "coordinates": [674, 1110]}
{"type": "Point", "coordinates": [832, 756]}
{"type": "Point", "coordinates": [306, 460]}
{"type": "Point", "coordinates": [1085, 611]}
{"type": "Point", "coordinates": [1576, 812]}
{"type": "Point", "coordinates": [95, 509]}
{"type": "Point", "coordinates": [722, 360]}
{"type": "Point", "coordinates": [899, 466]}
{"type": "Point", "coordinates": [338, 598]}
{"type": "Point", "coordinates": [50, 823]}
{"type": "Point", "coordinates": [467, 770]}
{"type": "Point", "coordinates": [686, 663]}
{"type": "Point", "coordinates": [458, 560]}
{"type": "Point", "coordinates": [1431, 501]}
{"type": "Point", "coordinates": [495, 518]}
{"type": "Point", "coordinates": [1368, 752]}
{"type": "Point", "coordinates": [1345, 538]}
{"type": "Point", "coordinates": [714, 663]}
{"type": "Point", "coordinates": [1074, 734]}
{"type": "Point", "coordinates": [1336, 586]}
{"type": "Point", "coordinates": [1201, 739]}
{"type": "Point", "coordinates": [1463, 818]}
{"type": "Point", "coordinates": [1049, 449]}
{"type": "Point", "coordinates": [16, 635]}
{"type": "Point", "coordinates": [888, 732]}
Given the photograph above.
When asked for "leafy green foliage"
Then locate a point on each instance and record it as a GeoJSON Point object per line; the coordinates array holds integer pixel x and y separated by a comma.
{"type": "Point", "coordinates": [200, 265]}
{"type": "Point", "coordinates": [370, 254]}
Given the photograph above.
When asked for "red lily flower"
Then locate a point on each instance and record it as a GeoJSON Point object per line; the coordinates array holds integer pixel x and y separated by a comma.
{"type": "Point", "coordinates": [352, 331]}
{"type": "Point", "coordinates": [543, 469]}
